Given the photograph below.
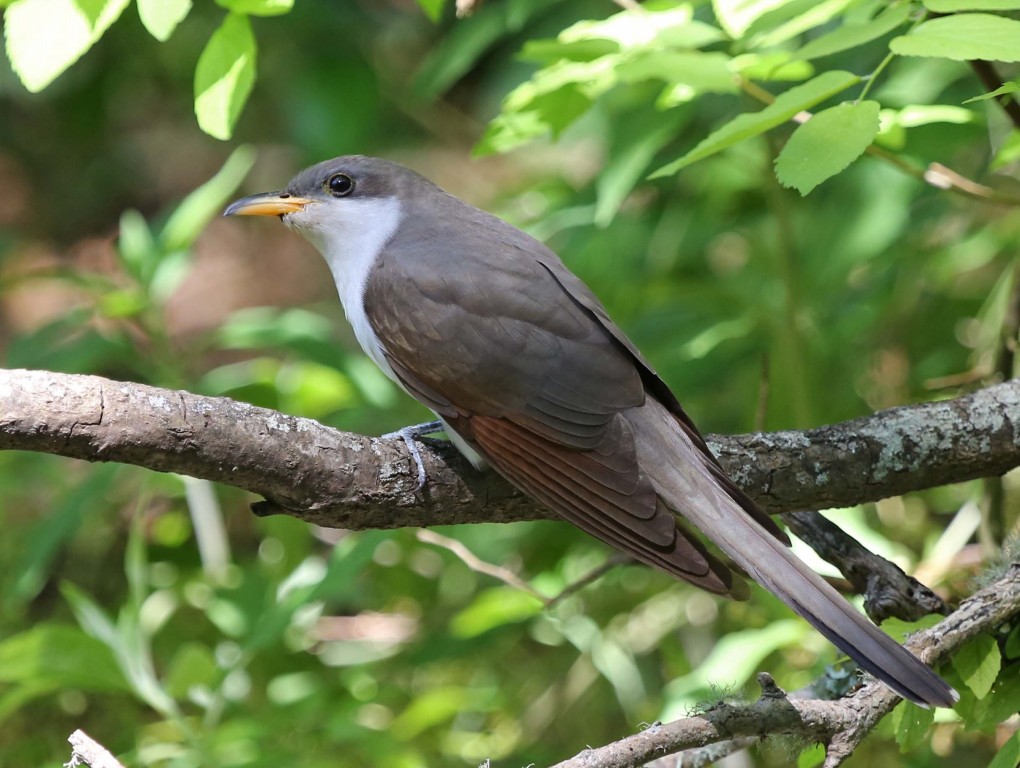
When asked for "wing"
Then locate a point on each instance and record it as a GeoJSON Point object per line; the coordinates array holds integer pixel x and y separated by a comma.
{"type": "Point", "coordinates": [528, 370]}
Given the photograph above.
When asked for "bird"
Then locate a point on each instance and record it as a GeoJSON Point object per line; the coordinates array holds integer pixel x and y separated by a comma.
{"type": "Point", "coordinates": [529, 375]}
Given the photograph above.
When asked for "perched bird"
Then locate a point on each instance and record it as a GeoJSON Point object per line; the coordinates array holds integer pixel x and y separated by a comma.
{"type": "Point", "coordinates": [518, 358]}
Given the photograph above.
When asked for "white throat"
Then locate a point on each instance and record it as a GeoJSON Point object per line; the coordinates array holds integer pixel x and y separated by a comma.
{"type": "Point", "coordinates": [350, 235]}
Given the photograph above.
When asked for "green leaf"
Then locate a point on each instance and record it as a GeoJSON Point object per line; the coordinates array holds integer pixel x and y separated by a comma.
{"type": "Point", "coordinates": [964, 37]}
{"type": "Point", "coordinates": [257, 7]}
{"type": "Point", "coordinates": [224, 76]}
{"type": "Point", "coordinates": [1001, 703]}
{"type": "Point", "coordinates": [628, 163]}
{"type": "Point", "coordinates": [702, 72]}
{"type": "Point", "coordinates": [192, 665]}
{"type": "Point", "coordinates": [951, 6]}
{"type": "Point", "coordinates": [1013, 639]}
{"type": "Point", "coordinates": [855, 35]}
{"type": "Point", "coordinates": [494, 608]}
{"type": "Point", "coordinates": [1009, 755]}
{"type": "Point", "coordinates": [161, 17]}
{"type": "Point", "coordinates": [737, 15]}
{"type": "Point", "coordinates": [45, 37]}
{"type": "Point", "coordinates": [200, 206]}
{"type": "Point", "coordinates": [1002, 90]}
{"type": "Point", "coordinates": [671, 27]}
{"type": "Point", "coordinates": [432, 8]}
{"type": "Point", "coordinates": [745, 126]}
{"type": "Point", "coordinates": [807, 15]}
{"type": "Point", "coordinates": [978, 663]}
{"type": "Point", "coordinates": [61, 655]}
{"type": "Point", "coordinates": [826, 144]}
{"type": "Point", "coordinates": [911, 724]}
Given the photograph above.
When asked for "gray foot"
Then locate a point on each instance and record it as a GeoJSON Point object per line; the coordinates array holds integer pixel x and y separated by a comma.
{"type": "Point", "coordinates": [410, 435]}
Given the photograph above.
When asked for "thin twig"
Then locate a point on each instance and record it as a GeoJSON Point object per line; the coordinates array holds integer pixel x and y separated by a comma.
{"type": "Point", "coordinates": [615, 559]}
{"type": "Point", "coordinates": [87, 751]}
{"type": "Point", "coordinates": [476, 564]}
{"type": "Point", "coordinates": [842, 723]}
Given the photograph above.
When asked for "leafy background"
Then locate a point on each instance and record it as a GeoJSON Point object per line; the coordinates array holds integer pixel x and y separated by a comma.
{"type": "Point", "coordinates": [156, 613]}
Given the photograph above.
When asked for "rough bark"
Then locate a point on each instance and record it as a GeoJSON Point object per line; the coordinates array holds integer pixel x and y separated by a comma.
{"type": "Point", "coordinates": [342, 480]}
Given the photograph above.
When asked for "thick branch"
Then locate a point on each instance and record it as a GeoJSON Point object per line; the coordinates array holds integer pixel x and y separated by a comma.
{"type": "Point", "coordinates": [842, 724]}
{"type": "Point", "coordinates": [343, 480]}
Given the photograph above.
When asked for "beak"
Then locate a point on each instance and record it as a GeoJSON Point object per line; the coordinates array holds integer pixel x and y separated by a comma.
{"type": "Point", "coordinates": [266, 204]}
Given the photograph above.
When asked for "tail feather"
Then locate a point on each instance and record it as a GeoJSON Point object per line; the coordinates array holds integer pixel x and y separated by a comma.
{"type": "Point", "coordinates": [693, 493]}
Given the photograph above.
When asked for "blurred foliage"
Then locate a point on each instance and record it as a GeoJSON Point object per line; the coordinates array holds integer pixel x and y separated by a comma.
{"type": "Point", "coordinates": [158, 615]}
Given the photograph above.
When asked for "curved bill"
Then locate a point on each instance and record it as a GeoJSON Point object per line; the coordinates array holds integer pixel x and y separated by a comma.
{"type": "Point", "coordinates": [266, 204]}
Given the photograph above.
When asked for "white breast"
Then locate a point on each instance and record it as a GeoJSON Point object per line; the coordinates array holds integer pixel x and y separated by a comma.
{"type": "Point", "coordinates": [350, 234]}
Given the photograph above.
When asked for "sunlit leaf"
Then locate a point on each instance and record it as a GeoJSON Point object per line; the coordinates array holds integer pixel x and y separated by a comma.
{"type": "Point", "coordinates": [257, 7]}
{"type": "Point", "coordinates": [978, 663]}
{"type": "Point", "coordinates": [812, 14]}
{"type": "Point", "coordinates": [826, 144]}
{"type": "Point", "coordinates": [45, 37]}
{"type": "Point", "coordinates": [494, 608]}
{"type": "Point", "coordinates": [745, 126]}
{"type": "Point", "coordinates": [432, 8]}
{"type": "Point", "coordinates": [962, 38]}
{"type": "Point", "coordinates": [737, 15]}
{"type": "Point", "coordinates": [224, 76]}
{"type": "Point", "coordinates": [853, 35]}
{"type": "Point", "coordinates": [951, 6]}
{"type": "Point", "coordinates": [161, 17]}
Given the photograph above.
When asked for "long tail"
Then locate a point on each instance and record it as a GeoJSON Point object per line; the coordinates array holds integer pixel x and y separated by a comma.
{"type": "Point", "coordinates": [675, 466]}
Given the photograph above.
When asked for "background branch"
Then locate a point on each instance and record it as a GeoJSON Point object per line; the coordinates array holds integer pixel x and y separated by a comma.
{"type": "Point", "coordinates": [841, 724]}
{"type": "Point", "coordinates": [341, 480]}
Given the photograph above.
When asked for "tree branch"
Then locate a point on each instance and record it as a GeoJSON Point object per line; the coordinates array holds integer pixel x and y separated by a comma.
{"type": "Point", "coordinates": [841, 724]}
{"type": "Point", "coordinates": [341, 480]}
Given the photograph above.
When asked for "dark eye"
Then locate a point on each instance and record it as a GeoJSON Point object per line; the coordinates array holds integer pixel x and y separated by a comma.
{"type": "Point", "coordinates": [339, 185]}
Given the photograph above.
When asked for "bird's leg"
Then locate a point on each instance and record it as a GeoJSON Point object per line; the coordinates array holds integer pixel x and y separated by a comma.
{"type": "Point", "coordinates": [410, 435]}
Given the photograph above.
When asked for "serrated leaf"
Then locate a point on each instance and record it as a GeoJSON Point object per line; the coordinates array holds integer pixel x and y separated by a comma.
{"type": "Point", "coordinates": [963, 37]}
{"type": "Point", "coordinates": [911, 724]}
{"type": "Point", "coordinates": [854, 35]}
{"type": "Point", "coordinates": [826, 144]}
{"type": "Point", "coordinates": [257, 7]}
{"type": "Point", "coordinates": [745, 126]}
{"type": "Point", "coordinates": [432, 8]}
{"type": "Point", "coordinates": [951, 6]}
{"type": "Point", "coordinates": [45, 37]}
{"type": "Point", "coordinates": [161, 17]}
{"type": "Point", "coordinates": [978, 664]}
{"type": "Point", "coordinates": [224, 76]}
{"type": "Point", "coordinates": [1009, 755]}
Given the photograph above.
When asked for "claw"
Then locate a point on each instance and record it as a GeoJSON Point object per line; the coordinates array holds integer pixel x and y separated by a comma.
{"type": "Point", "coordinates": [410, 435]}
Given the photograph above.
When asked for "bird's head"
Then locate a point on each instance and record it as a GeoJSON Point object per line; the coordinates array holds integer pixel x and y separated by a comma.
{"type": "Point", "coordinates": [336, 203]}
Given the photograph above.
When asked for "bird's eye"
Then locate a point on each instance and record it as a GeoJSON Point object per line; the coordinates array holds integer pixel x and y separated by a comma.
{"type": "Point", "coordinates": [339, 185]}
